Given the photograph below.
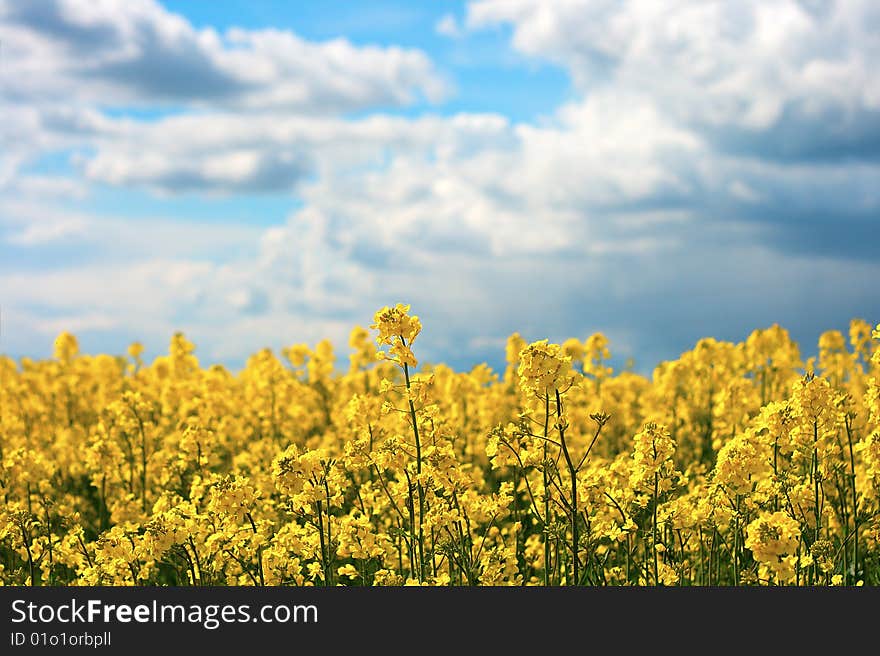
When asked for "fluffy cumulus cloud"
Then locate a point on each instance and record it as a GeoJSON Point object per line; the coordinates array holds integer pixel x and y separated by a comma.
{"type": "Point", "coordinates": [111, 53]}
{"type": "Point", "coordinates": [715, 170]}
{"type": "Point", "coordinates": [780, 79]}
{"type": "Point", "coordinates": [229, 152]}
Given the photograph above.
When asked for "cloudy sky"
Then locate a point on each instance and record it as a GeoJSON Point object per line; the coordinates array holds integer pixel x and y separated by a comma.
{"type": "Point", "coordinates": [261, 172]}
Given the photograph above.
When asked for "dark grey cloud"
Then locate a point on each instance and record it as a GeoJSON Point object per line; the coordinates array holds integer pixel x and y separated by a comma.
{"type": "Point", "coordinates": [665, 306]}
{"type": "Point", "coordinates": [55, 19]}
{"type": "Point", "coordinates": [829, 135]}
{"type": "Point", "coordinates": [835, 234]}
{"type": "Point", "coordinates": [180, 72]}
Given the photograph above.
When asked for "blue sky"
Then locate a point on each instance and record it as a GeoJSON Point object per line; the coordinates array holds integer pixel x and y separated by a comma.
{"type": "Point", "coordinates": [262, 173]}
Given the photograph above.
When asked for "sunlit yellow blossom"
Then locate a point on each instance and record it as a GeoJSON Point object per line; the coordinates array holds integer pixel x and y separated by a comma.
{"type": "Point", "coordinates": [772, 537]}
{"type": "Point", "coordinates": [66, 348]}
{"type": "Point", "coordinates": [544, 369]}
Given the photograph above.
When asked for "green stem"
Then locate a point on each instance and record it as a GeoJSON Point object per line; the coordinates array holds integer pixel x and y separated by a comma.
{"type": "Point", "coordinates": [260, 549]}
{"type": "Point", "coordinates": [546, 493]}
{"type": "Point", "coordinates": [654, 529]}
{"type": "Point", "coordinates": [855, 507]}
{"type": "Point", "coordinates": [198, 561]}
{"type": "Point", "coordinates": [323, 546]}
{"type": "Point", "coordinates": [572, 471]}
{"type": "Point", "coordinates": [816, 478]}
{"type": "Point", "coordinates": [420, 490]}
{"type": "Point", "coordinates": [49, 539]}
{"type": "Point", "coordinates": [27, 545]}
{"type": "Point", "coordinates": [736, 544]}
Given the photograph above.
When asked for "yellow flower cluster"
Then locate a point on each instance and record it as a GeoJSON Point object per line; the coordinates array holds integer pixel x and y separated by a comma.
{"type": "Point", "coordinates": [774, 538]}
{"type": "Point", "coordinates": [735, 464]}
{"type": "Point", "coordinates": [398, 330]}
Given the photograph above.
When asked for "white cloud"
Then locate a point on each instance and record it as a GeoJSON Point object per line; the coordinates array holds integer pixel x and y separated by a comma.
{"type": "Point", "coordinates": [118, 53]}
{"type": "Point", "coordinates": [55, 187]}
{"type": "Point", "coordinates": [229, 153]}
{"type": "Point", "coordinates": [142, 292]}
{"type": "Point", "coordinates": [448, 26]}
{"type": "Point", "coordinates": [76, 323]}
{"type": "Point", "coordinates": [804, 72]}
{"type": "Point", "coordinates": [27, 224]}
{"type": "Point", "coordinates": [43, 232]}
{"type": "Point", "coordinates": [32, 222]}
